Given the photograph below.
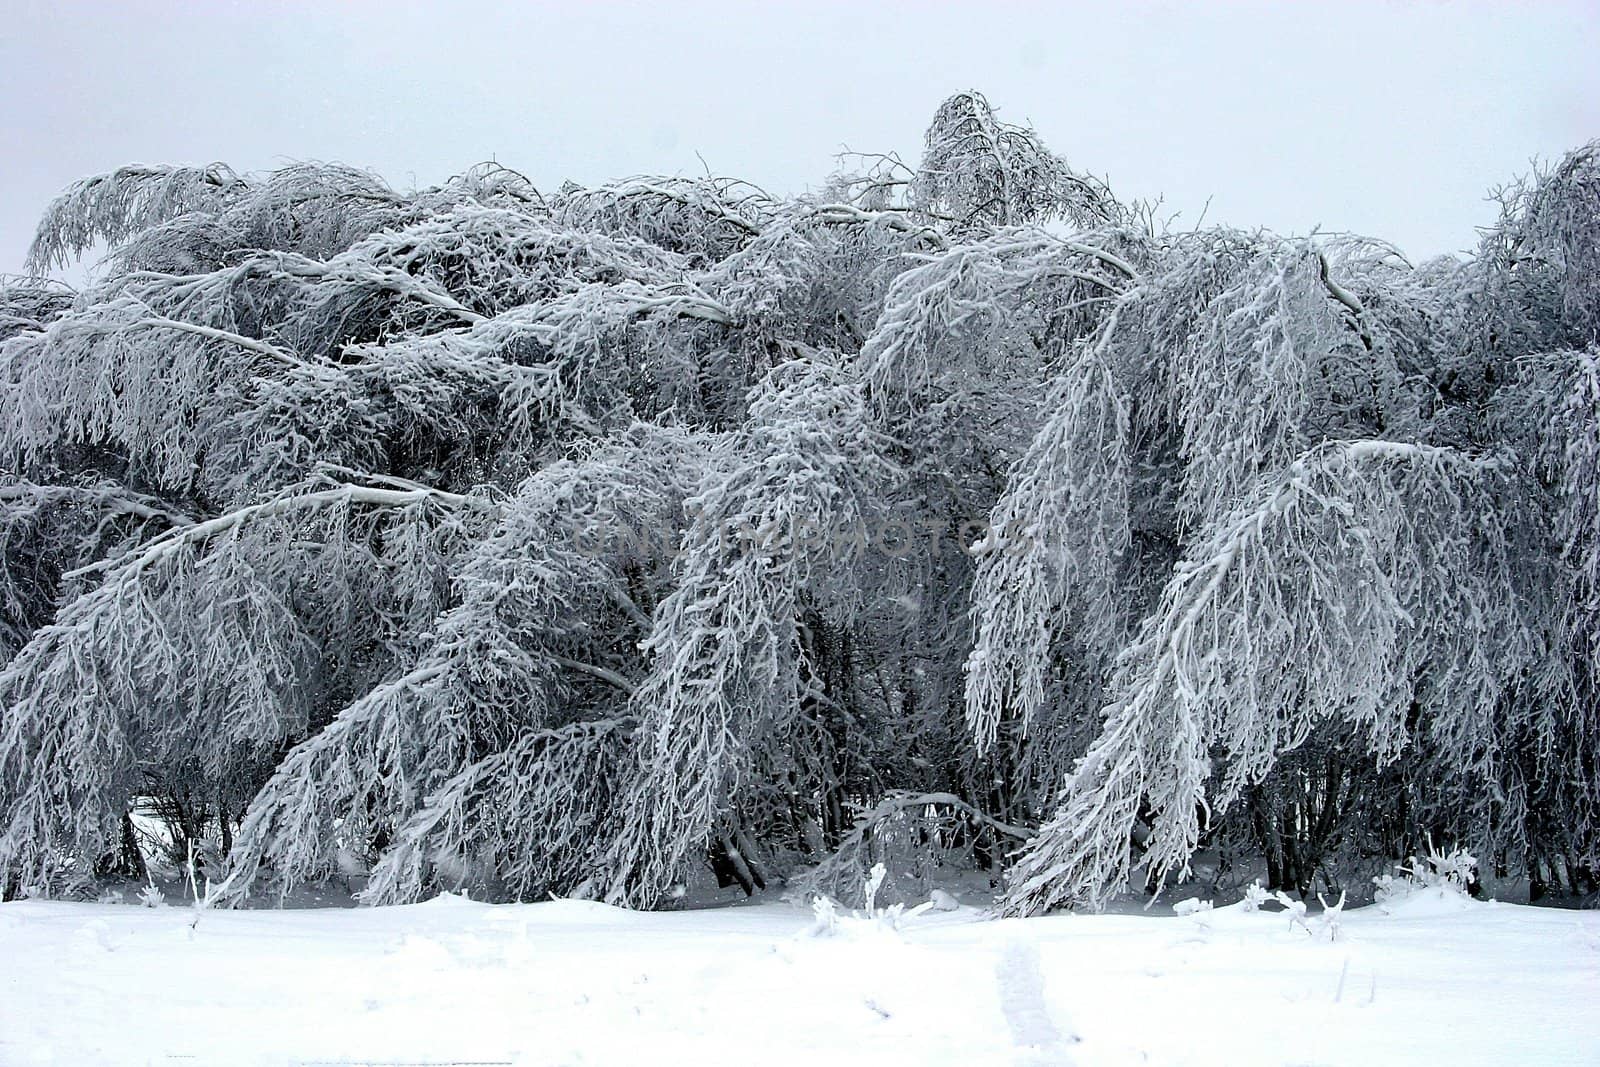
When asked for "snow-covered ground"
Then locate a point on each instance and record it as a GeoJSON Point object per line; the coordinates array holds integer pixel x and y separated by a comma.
{"type": "Point", "coordinates": [1434, 978]}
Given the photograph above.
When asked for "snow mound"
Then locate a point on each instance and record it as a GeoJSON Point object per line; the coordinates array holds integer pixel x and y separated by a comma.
{"type": "Point", "coordinates": [451, 900]}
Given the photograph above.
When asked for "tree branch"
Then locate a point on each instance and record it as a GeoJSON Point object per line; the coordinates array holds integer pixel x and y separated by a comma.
{"type": "Point", "coordinates": [602, 673]}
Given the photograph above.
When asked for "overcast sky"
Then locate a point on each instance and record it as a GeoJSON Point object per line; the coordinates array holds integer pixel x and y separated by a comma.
{"type": "Point", "coordinates": [1392, 119]}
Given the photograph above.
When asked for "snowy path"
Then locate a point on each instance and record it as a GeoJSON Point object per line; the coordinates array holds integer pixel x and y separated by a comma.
{"type": "Point", "coordinates": [1434, 980]}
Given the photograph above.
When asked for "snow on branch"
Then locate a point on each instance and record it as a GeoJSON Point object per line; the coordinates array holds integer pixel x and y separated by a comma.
{"type": "Point", "coordinates": [513, 656]}
{"type": "Point", "coordinates": [520, 824]}
{"type": "Point", "coordinates": [1055, 547]}
{"type": "Point", "coordinates": [461, 267]}
{"type": "Point", "coordinates": [202, 648]}
{"type": "Point", "coordinates": [111, 207]}
{"type": "Point", "coordinates": [28, 304]}
{"type": "Point", "coordinates": [1268, 368]}
{"type": "Point", "coordinates": [986, 173]}
{"type": "Point", "coordinates": [1552, 410]}
{"type": "Point", "coordinates": [173, 213]}
{"type": "Point", "coordinates": [1362, 579]}
{"type": "Point", "coordinates": [1543, 254]}
{"type": "Point", "coordinates": [705, 218]}
{"type": "Point", "coordinates": [725, 641]}
{"type": "Point", "coordinates": [118, 374]}
{"type": "Point", "coordinates": [977, 310]}
{"type": "Point", "coordinates": [492, 259]}
{"type": "Point", "coordinates": [48, 531]}
{"type": "Point", "coordinates": [816, 275]}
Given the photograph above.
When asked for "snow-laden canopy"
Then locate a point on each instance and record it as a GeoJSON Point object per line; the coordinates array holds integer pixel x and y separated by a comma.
{"type": "Point", "coordinates": [594, 540]}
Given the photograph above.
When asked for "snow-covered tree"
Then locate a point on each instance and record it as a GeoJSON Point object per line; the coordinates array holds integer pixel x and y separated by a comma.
{"type": "Point", "coordinates": [982, 173]}
{"type": "Point", "coordinates": [540, 651]}
{"type": "Point", "coordinates": [201, 651]}
{"type": "Point", "coordinates": [777, 534]}
{"type": "Point", "coordinates": [1363, 585]}
{"type": "Point", "coordinates": [597, 541]}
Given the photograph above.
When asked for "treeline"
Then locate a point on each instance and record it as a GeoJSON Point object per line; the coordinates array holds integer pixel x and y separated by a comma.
{"type": "Point", "coordinates": [962, 515]}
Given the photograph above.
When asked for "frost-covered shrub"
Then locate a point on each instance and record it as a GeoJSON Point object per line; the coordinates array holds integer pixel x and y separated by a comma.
{"type": "Point", "coordinates": [1451, 872]}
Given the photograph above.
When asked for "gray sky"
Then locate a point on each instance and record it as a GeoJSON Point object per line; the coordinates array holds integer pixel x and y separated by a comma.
{"type": "Point", "coordinates": [1387, 119]}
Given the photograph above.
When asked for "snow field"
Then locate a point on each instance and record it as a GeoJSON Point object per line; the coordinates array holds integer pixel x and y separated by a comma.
{"type": "Point", "coordinates": [1434, 978]}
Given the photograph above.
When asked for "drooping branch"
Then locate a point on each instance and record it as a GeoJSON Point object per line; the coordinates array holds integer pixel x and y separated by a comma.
{"type": "Point", "coordinates": [1328, 599]}
{"type": "Point", "coordinates": [249, 344]}
{"type": "Point", "coordinates": [725, 672]}
{"type": "Point", "coordinates": [111, 207]}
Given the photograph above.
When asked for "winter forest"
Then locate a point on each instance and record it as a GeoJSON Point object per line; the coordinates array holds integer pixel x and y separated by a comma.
{"type": "Point", "coordinates": [958, 516]}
